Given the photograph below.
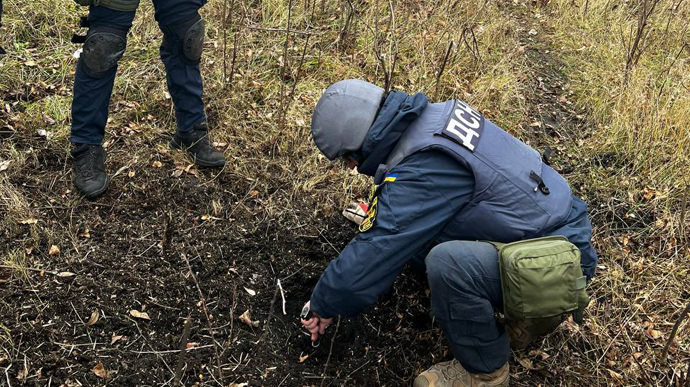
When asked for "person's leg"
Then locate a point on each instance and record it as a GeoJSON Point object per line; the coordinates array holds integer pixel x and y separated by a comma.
{"type": "Point", "coordinates": [93, 83]}
{"type": "Point", "coordinates": [183, 36]}
{"type": "Point", "coordinates": [465, 290]}
{"type": "Point", "coordinates": [183, 40]}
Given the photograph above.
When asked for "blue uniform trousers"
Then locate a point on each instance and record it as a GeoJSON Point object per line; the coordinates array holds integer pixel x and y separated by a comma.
{"type": "Point", "coordinates": [465, 290]}
{"type": "Point", "coordinates": [92, 95]}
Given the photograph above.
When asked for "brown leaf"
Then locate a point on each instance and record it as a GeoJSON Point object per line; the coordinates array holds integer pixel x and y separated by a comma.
{"type": "Point", "coordinates": [137, 314]}
{"type": "Point", "coordinates": [29, 221]}
{"type": "Point", "coordinates": [4, 165]}
{"type": "Point", "coordinates": [302, 359]}
{"type": "Point", "coordinates": [527, 363]}
{"type": "Point", "coordinates": [653, 333]}
{"type": "Point", "coordinates": [253, 193]}
{"type": "Point", "coordinates": [66, 274]}
{"type": "Point", "coordinates": [131, 174]}
{"type": "Point", "coordinates": [30, 63]}
{"type": "Point", "coordinates": [94, 318]}
{"type": "Point", "coordinates": [157, 164]}
{"type": "Point", "coordinates": [85, 234]}
{"type": "Point", "coordinates": [100, 371]}
{"type": "Point", "coordinates": [115, 339]}
{"type": "Point", "coordinates": [251, 292]}
{"type": "Point", "coordinates": [245, 318]}
{"type": "Point", "coordinates": [54, 250]}
{"type": "Point", "coordinates": [191, 345]}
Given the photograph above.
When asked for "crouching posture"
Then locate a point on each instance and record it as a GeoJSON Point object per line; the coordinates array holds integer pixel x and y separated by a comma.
{"type": "Point", "coordinates": [447, 179]}
{"type": "Point", "coordinates": [104, 45]}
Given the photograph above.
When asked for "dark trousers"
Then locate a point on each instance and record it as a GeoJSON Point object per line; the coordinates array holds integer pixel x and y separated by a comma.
{"type": "Point", "coordinates": [465, 290]}
{"type": "Point", "coordinates": [92, 95]}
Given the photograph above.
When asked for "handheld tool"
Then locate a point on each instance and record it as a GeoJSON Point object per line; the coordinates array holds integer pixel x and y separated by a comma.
{"type": "Point", "coordinates": [307, 314]}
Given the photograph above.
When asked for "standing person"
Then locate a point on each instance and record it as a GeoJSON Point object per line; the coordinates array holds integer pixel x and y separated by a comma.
{"type": "Point", "coordinates": [105, 43]}
{"type": "Point", "coordinates": [446, 178]}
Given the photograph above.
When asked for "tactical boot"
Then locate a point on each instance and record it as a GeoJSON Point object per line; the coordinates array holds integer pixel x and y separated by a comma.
{"type": "Point", "coordinates": [452, 374]}
{"type": "Point", "coordinates": [89, 170]}
{"type": "Point", "coordinates": [196, 143]}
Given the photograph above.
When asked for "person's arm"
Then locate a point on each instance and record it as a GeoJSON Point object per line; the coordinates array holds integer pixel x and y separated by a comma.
{"type": "Point", "coordinates": [411, 211]}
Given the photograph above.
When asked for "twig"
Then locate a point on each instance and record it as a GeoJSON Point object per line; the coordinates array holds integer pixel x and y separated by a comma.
{"type": "Point", "coordinates": [183, 345]}
{"type": "Point", "coordinates": [282, 295]}
{"type": "Point", "coordinates": [30, 269]}
{"type": "Point", "coordinates": [443, 67]}
{"type": "Point", "coordinates": [330, 352]}
{"type": "Point", "coordinates": [208, 320]}
{"type": "Point", "coordinates": [664, 353]}
{"type": "Point", "coordinates": [270, 314]}
{"type": "Point", "coordinates": [170, 350]}
{"type": "Point", "coordinates": [7, 376]}
{"type": "Point", "coordinates": [283, 108]}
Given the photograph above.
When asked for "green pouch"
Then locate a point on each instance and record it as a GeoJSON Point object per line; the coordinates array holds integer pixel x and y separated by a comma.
{"type": "Point", "coordinates": [541, 278]}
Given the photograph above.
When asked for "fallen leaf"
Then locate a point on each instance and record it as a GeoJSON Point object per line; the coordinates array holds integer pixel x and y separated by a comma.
{"type": "Point", "coordinates": [191, 345]}
{"type": "Point", "coordinates": [94, 318]}
{"type": "Point", "coordinates": [250, 291]}
{"type": "Point", "coordinates": [157, 164]}
{"type": "Point", "coordinates": [535, 124]}
{"type": "Point", "coordinates": [30, 63]}
{"type": "Point", "coordinates": [4, 165]}
{"type": "Point", "coordinates": [54, 250]}
{"type": "Point", "coordinates": [85, 233]}
{"type": "Point", "coordinates": [100, 371]}
{"type": "Point", "coordinates": [131, 174]}
{"type": "Point", "coordinates": [238, 384]}
{"type": "Point", "coordinates": [209, 217]}
{"type": "Point", "coordinates": [253, 193]}
{"type": "Point", "coordinates": [244, 317]}
{"type": "Point", "coordinates": [527, 363]}
{"type": "Point", "coordinates": [532, 31]}
{"type": "Point", "coordinates": [137, 314]}
{"type": "Point", "coordinates": [29, 221]}
{"type": "Point", "coordinates": [303, 358]}
{"type": "Point", "coordinates": [177, 173]}
{"type": "Point", "coordinates": [66, 274]}
{"type": "Point", "coordinates": [653, 333]}
{"type": "Point", "coordinates": [115, 339]}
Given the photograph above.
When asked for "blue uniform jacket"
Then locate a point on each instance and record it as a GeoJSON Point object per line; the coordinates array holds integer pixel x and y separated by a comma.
{"type": "Point", "coordinates": [428, 190]}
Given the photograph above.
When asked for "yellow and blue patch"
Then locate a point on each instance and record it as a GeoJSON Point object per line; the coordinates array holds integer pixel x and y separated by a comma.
{"type": "Point", "coordinates": [390, 177]}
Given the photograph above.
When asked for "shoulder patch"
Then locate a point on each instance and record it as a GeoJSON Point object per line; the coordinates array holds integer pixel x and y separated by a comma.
{"type": "Point", "coordinates": [465, 126]}
{"type": "Point", "coordinates": [368, 223]}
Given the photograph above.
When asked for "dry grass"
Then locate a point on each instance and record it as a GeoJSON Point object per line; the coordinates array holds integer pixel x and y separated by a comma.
{"type": "Point", "coordinates": [632, 168]}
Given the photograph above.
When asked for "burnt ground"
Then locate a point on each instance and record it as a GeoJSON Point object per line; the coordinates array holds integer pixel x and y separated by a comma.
{"type": "Point", "coordinates": [131, 257]}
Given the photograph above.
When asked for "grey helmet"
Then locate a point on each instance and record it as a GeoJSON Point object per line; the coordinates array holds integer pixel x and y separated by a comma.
{"type": "Point", "coordinates": [343, 116]}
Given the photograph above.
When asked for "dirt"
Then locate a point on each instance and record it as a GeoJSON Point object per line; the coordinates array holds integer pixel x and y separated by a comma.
{"type": "Point", "coordinates": [133, 258]}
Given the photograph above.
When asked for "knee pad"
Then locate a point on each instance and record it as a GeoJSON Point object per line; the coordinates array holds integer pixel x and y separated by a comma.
{"type": "Point", "coordinates": [186, 39]}
{"type": "Point", "coordinates": [117, 5]}
{"type": "Point", "coordinates": [102, 50]}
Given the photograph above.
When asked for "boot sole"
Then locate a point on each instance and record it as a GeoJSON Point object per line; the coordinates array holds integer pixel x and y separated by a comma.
{"type": "Point", "coordinates": [97, 193]}
{"type": "Point", "coordinates": [202, 163]}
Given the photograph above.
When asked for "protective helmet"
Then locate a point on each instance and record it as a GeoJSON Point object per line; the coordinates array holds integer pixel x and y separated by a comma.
{"type": "Point", "coordinates": [343, 116]}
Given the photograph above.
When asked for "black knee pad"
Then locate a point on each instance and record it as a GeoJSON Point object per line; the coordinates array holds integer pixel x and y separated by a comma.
{"type": "Point", "coordinates": [117, 5]}
{"type": "Point", "coordinates": [186, 38]}
{"type": "Point", "coordinates": [102, 50]}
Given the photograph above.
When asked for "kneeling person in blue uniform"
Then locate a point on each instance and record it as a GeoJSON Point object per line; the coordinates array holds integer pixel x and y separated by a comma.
{"type": "Point", "coordinates": [104, 45]}
{"type": "Point", "coordinates": [445, 179]}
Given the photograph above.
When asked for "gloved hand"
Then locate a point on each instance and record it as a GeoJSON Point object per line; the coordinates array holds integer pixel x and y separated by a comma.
{"type": "Point", "coordinates": [356, 212]}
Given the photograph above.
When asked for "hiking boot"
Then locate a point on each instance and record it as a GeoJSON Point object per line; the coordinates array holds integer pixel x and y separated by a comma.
{"type": "Point", "coordinates": [196, 143]}
{"type": "Point", "coordinates": [89, 170]}
{"type": "Point", "coordinates": [452, 374]}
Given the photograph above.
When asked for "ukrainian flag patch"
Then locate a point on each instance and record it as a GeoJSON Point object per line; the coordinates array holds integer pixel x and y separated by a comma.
{"type": "Point", "coordinates": [391, 177]}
